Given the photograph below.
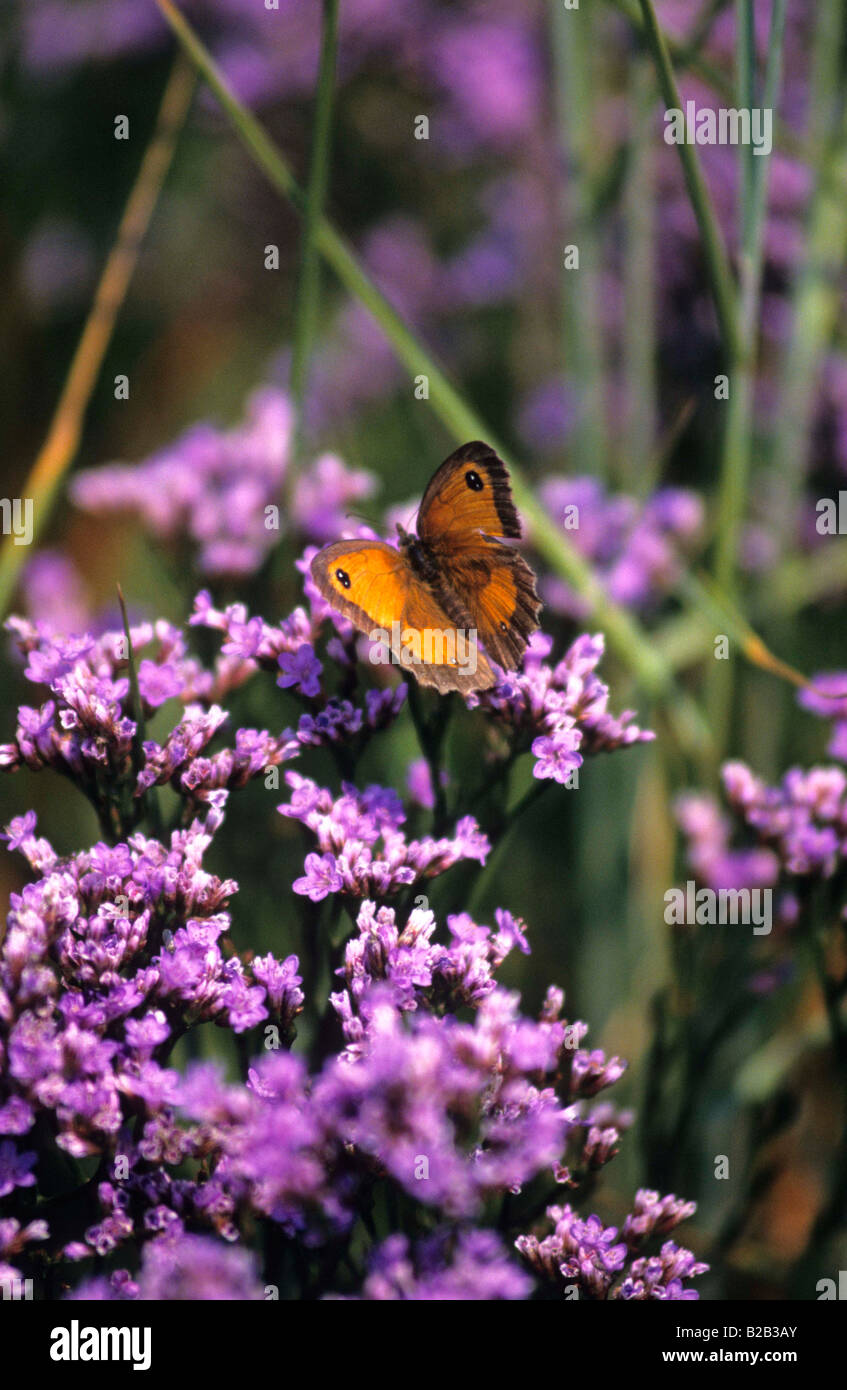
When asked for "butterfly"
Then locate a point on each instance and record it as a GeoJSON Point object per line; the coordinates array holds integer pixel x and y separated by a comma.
{"type": "Point", "coordinates": [431, 597]}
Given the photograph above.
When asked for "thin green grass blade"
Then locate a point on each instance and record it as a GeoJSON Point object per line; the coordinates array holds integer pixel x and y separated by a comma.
{"type": "Point", "coordinates": [720, 275]}
{"type": "Point", "coordinates": [572, 61]}
{"type": "Point", "coordinates": [308, 288]}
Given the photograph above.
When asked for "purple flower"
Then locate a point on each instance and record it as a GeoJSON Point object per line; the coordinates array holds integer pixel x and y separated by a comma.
{"type": "Point", "coordinates": [159, 682]}
{"type": "Point", "coordinates": [662, 1276]}
{"type": "Point", "coordinates": [441, 1088]}
{"type": "Point", "coordinates": [556, 754]}
{"type": "Point", "coordinates": [218, 489]}
{"type": "Point", "coordinates": [320, 879]}
{"type": "Point", "coordinates": [183, 1268]}
{"type": "Point", "coordinates": [323, 496]}
{"type": "Point", "coordinates": [562, 709]}
{"type": "Point", "coordinates": [54, 598]}
{"type": "Point", "coordinates": [282, 983]}
{"type": "Point", "coordinates": [15, 1168]}
{"type": "Point", "coordinates": [654, 1216]}
{"type": "Point", "coordinates": [828, 699]}
{"type": "Point", "coordinates": [300, 669]}
{"type": "Point", "coordinates": [501, 105]}
{"type": "Point", "coordinates": [585, 1255]}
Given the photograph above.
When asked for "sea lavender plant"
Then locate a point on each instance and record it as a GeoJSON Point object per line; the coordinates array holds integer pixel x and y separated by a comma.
{"type": "Point", "coordinates": [405, 1150]}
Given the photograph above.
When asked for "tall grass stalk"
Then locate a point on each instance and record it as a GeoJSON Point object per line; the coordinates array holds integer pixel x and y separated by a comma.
{"type": "Point", "coordinates": [714, 251]}
{"type": "Point", "coordinates": [574, 63]}
{"type": "Point", "coordinates": [63, 437]}
{"type": "Point", "coordinates": [755, 170]}
{"type": "Point", "coordinates": [816, 302]}
{"type": "Point", "coordinates": [308, 285]}
{"type": "Point", "coordinates": [638, 468]}
{"type": "Point", "coordinates": [737, 454]}
{"type": "Point", "coordinates": [686, 56]}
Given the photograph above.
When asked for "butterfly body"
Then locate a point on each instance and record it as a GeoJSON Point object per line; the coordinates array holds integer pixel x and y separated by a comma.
{"type": "Point", "coordinates": [453, 581]}
{"type": "Point", "coordinates": [420, 556]}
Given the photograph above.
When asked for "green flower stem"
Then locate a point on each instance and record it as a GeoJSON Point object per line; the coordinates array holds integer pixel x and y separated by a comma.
{"type": "Point", "coordinates": [639, 326]}
{"type": "Point", "coordinates": [48, 472]}
{"type": "Point", "coordinates": [501, 838]}
{"type": "Point", "coordinates": [572, 58]}
{"type": "Point", "coordinates": [308, 289]}
{"type": "Point", "coordinates": [431, 731]}
{"type": "Point", "coordinates": [738, 438]}
{"type": "Point", "coordinates": [755, 171]}
{"type": "Point", "coordinates": [817, 294]}
{"type": "Point", "coordinates": [723, 286]}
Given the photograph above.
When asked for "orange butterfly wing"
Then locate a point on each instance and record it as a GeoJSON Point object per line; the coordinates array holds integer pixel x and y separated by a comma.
{"type": "Point", "coordinates": [496, 587]}
{"type": "Point", "coordinates": [470, 492]}
{"type": "Point", "coordinates": [375, 587]}
{"type": "Point", "coordinates": [466, 506]}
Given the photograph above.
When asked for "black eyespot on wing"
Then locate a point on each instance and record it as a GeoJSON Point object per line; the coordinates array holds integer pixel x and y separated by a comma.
{"type": "Point", "coordinates": [343, 578]}
{"type": "Point", "coordinates": [474, 481]}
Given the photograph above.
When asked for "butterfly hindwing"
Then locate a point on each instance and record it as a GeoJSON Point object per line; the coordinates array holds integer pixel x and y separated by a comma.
{"type": "Point", "coordinates": [496, 587]}
{"type": "Point", "coordinates": [419, 614]}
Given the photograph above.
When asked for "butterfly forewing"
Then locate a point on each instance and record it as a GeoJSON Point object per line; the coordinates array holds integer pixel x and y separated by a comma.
{"type": "Point", "coordinates": [365, 580]}
{"type": "Point", "coordinates": [373, 586]}
{"type": "Point", "coordinates": [470, 492]}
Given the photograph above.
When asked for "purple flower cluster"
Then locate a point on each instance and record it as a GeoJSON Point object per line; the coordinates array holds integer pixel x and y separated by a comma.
{"type": "Point", "coordinates": [637, 548]}
{"type": "Point", "coordinates": [288, 650]}
{"type": "Point", "coordinates": [588, 1260]}
{"type": "Point", "coordinates": [272, 54]}
{"type": "Point", "coordinates": [108, 957]}
{"type": "Point", "coordinates": [418, 969]}
{"type": "Point", "coordinates": [447, 1266]}
{"type": "Point", "coordinates": [789, 839]}
{"type": "Point", "coordinates": [828, 699]}
{"type": "Point", "coordinates": [362, 850]}
{"type": "Point", "coordinates": [53, 595]}
{"type": "Point", "coordinates": [183, 1268]}
{"type": "Point", "coordinates": [220, 493]}
{"type": "Point", "coordinates": [562, 711]}
{"type": "Point", "coordinates": [799, 827]}
{"type": "Point", "coordinates": [451, 1112]}
{"type": "Point", "coordinates": [86, 731]}
{"type": "Point", "coordinates": [435, 1087]}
